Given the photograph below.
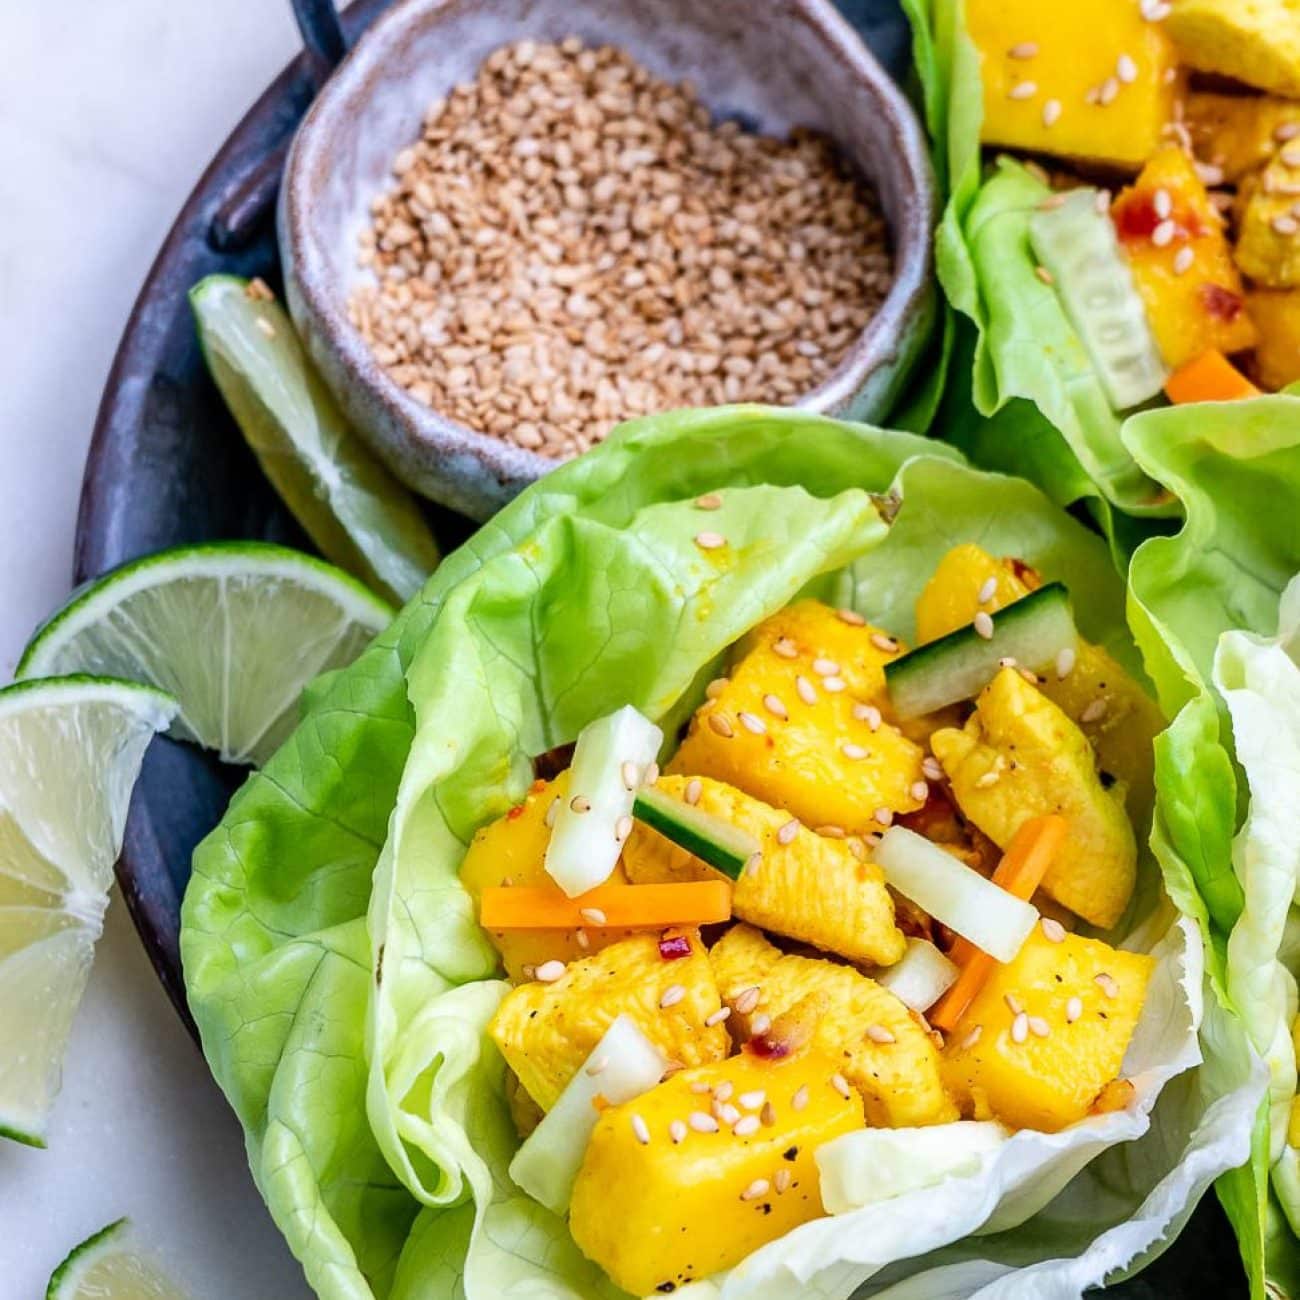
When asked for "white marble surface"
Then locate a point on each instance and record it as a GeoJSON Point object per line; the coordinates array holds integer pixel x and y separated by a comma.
{"type": "Point", "coordinates": [108, 112]}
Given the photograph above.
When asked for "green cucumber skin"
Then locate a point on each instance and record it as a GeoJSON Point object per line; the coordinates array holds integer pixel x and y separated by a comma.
{"type": "Point", "coordinates": [672, 819]}
{"type": "Point", "coordinates": [917, 667]}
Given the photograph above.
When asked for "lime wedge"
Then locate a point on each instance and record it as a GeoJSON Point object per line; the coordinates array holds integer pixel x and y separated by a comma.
{"type": "Point", "coordinates": [108, 1267]}
{"type": "Point", "coordinates": [70, 751]}
{"type": "Point", "coordinates": [359, 515]}
{"type": "Point", "coordinates": [232, 630]}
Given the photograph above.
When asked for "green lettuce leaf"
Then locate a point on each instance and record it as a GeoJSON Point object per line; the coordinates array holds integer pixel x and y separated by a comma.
{"type": "Point", "coordinates": [334, 968]}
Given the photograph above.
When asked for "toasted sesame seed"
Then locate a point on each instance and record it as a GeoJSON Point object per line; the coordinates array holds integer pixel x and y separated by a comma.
{"type": "Point", "coordinates": [931, 767]}
{"type": "Point", "coordinates": [717, 1017]}
{"type": "Point", "coordinates": [753, 723]}
{"type": "Point", "coordinates": [983, 624]}
{"type": "Point", "coordinates": [549, 971]}
{"type": "Point", "coordinates": [677, 1131]}
{"type": "Point", "coordinates": [1107, 91]}
{"type": "Point", "coordinates": [1073, 1009]}
{"type": "Point", "coordinates": [1155, 11]}
{"type": "Point", "coordinates": [833, 684]}
{"type": "Point", "coordinates": [1007, 661]}
{"type": "Point", "coordinates": [702, 1123]}
{"type": "Point", "coordinates": [1092, 95]}
{"type": "Point", "coordinates": [1163, 235]}
{"type": "Point", "coordinates": [1020, 1028]}
{"type": "Point", "coordinates": [718, 722]}
{"type": "Point", "coordinates": [752, 1100]}
{"type": "Point", "coordinates": [989, 778]}
{"type": "Point", "coordinates": [1107, 984]}
{"type": "Point", "coordinates": [973, 1037]}
{"type": "Point", "coordinates": [1029, 675]}
{"type": "Point", "coordinates": [651, 774]}
{"type": "Point", "coordinates": [825, 667]}
{"type": "Point", "coordinates": [1095, 711]}
{"type": "Point", "coordinates": [1014, 1004]}
{"type": "Point", "coordinates": [598, 1066]}
{"type": "Point", "coordinates": [869, 714]}
{"type": "Point", "coordinates": [787, 832]}
{"type": "Point", "coordinates": [882, 641]}
{"type": "Point", "coordinates": [1039, 1027]}
{"type": "Point", "coordinates": [1286, 131]}
{"type": "Point", "coordinates": [716, 687]}
{"type": "Point", "coordinates": [841, 1085]}
{"type": "Point", "coordinates": [622, 828]}
{"type": "Point", "coordinates": [722, 1091]}
{"type": "Point", "coordinates": [641, 1131]}
{"type": "Point", "coordinates": [1023, 50]}
{"type": "Point", "coordinates": [806, 691]}
{"type": "Point", "coordinates": [1209, 173]}
{"type": "Point", "coordinates": [1053, 930]}
{"type": "Point", "coordinates": [851, 617]}
{"type": "Point", "coordinates": [552, 810]}
{"type": "Point", "coordinates": [800, 1098]}
{"type": "Point", "coordinates": [694, 788]}
{"type": "Point", "coordinates": [830, 831]}
{"type": "Point", "coordinates": [758, 1188]}
{"type": "Point", "coordinates": [1051, 112]}
{"type": "Point", "coordinates": [1023, 90]}
{"type": "Point", "coordinates": [699, 1086]}
{"type": "Point", "coordinates": [920, 791]}
{"type": "Point", "coordinates": [709, 541]}
{"type": "Point", "coordinates": [747, 999]}
{"type": "Point", "coordinates": [673, 994]}
{"type": "Point", "coordinates": [631, 778]}
{"type": "Point", "coordinates": [850, 750]}
{"type": "Point", "coordinates": [1162, 204]}
{"type": "Point", "coordinates": [786, 648]}
{"type": "Point", "coordinates": [761, 1023]}
{"type": "Point", "coordinates": [781, 1181]}
{"type": "Point", "coordinates": [745, 1126]}
{"type": "Point", "coordinates": [1065, 662]}
{"type": "Point", "coordinates": [581, 936]}
{"type": "Point", "coordinates": [1285, 224]}
{"type": "Point", "coordinates": [883, 816]}
{"type": "Point", "coordinates": [725, 1113]}
{"type": "Point", "coordinates": [879, 1034]}
{"type": "Point", "coordinates": [752, 864]}
{"type": "Point", "coordinates": [1126, 69]}
{"type": "Point", "coordinates": [767, 1114]}
{"type": "Point", "coordinates": [988, 589]}
{"type": "Point", "coordinates": [580, 803]}
{"type": "Point", "coordinates": [709, 501]}
{"type": "Point", "coordinates": [773, 704]}
{"type": "Point", "coordinates": [265, 326]}
{"type": "Point", "coordinates": [1291, 155]}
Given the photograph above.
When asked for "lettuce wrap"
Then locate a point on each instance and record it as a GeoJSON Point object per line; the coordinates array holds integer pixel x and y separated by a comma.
{"type": "Point", "coordinates": [342, 986]}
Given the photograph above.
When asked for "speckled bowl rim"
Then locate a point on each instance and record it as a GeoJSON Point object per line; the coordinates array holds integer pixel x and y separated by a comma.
{"type": "Point", "coordinates": [876, 346]}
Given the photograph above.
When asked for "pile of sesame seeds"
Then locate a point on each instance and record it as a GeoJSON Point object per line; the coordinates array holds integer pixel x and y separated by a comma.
{"type": "Point", "coordinates": [572, 242]}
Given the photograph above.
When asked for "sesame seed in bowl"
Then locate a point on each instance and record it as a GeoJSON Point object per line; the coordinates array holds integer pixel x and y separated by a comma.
{"type": "Point", "coordinates": [508, 225]}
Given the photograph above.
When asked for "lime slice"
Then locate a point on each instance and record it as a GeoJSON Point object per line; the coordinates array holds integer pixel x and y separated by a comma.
{"type": "Point", "coordinates": [108, 1267]}
{"type": "Point", "coordinates": [70, 751]}
{"type": "Point", "coordinates": [359, 515]}
{"type": "Point", "coordinates": [232, 630]}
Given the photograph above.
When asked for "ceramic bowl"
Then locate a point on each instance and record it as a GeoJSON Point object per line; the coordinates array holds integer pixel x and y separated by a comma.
{"type": "Point", "coordinates": [774, 65]}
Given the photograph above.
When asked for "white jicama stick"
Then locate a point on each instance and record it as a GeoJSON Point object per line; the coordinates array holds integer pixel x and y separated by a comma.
{"type": "Point", "coordinates": [921, 978]}
{"type": "Point", "coordinates": [609, 763]}
{"type": "Point", "coordinates": [623, 1065]}
{"type": "Point", "coordinates": [991, 918]}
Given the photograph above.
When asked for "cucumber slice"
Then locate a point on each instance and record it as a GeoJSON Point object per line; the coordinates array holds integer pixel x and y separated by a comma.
{"type": "Point", "coordinates": [609, 763]}
{"type": "Point", "coordinates": [709, 838]}
{"type": "Point", "coordinates": [922, 977]}
{"type": "Point", "coordinates": [954, 894]}
{"type": "Point", "coordinates": [1032, 631]}
{"type": "Point", "coordinates": [624, 1064]}
{"type": "Point", "coordinates": [1076, 243]}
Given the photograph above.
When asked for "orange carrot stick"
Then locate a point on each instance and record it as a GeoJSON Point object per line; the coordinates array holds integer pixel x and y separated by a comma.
{"type": "Point", "coordinates": [613, 907]}
{"type": "Point", "coordinates": [1021, 871]}
{"type": "Point", "coordinates": [1211, 377]}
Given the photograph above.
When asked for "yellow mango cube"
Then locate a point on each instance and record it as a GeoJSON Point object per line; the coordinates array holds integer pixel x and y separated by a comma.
{"type": "Point", "coordinates": [1181, 261]}
{"type": "Point", "coordinates": [1092, 81]}
{"type": "Point", "coordinates": [694, 1175]}
{"type": "Point", "coordinates": [1276, 313]}
{"type": "Point", "coordinates": [546, 1030]}
{"type": "Point", "coordinates": [1268, 245]}
{"type": "Point", "coordinates": [806, 886]}
{"type": "Point", "coordinates": [1047, 1032]}
{"type": "Point", "coordinates": [1238, 133]}
{"type": "Point", "coordinates": [880, 1046]}
{"type": "Point", "coordinates": [1255, 41]}
{"type": "Point", "coordinates": [798, 724]}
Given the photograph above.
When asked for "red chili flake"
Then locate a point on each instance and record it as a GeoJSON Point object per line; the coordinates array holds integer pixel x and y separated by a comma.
{"type": "Point", "coordinates": [1136, 218]}
{"type": "Point", "coordinates": [1025, 572]}
{"type": "Point", "coordinates": [936, 819]}
{"type": "Point", "coordinates": [672, 947]}
{"type": "Point", "coordinates": [515, 813]}
{"type": "Point", "coordinates": [769, 1047]}
{"type": "Point", "coordinates": [1221, 303]}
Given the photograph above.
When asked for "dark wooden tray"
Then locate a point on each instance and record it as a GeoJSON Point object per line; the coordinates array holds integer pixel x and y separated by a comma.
{"type": "Point", "coordinates": [167, 465]}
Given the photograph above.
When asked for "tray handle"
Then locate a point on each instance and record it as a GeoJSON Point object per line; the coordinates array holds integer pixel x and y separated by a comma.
{"type": "Point", "coordinates": [322, 35]}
